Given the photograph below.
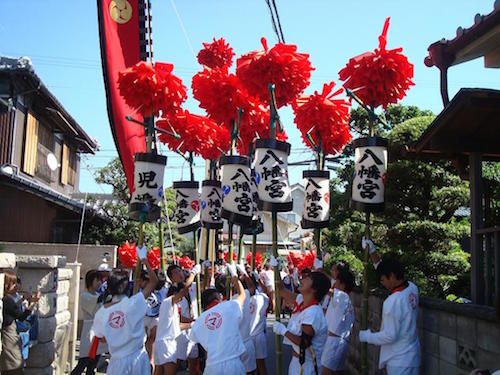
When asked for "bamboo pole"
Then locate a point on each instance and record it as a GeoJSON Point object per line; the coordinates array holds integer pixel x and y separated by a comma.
{"type": "Point", "coordinates": [274, 218]}
{"type": "Point", "coordinates": [254, 249]}
{"type": "Point", "coordinates": [230, 257]}
{"type": "Point", "coordinates": [162, 242]}
{"type": "Point", "coordinates": [364, 309]}
{"type": "Point", "coordinates": [197, 261]}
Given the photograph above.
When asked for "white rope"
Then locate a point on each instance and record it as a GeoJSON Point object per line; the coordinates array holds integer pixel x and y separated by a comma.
{"type": "Point", "coordinates": [169, 230]}
{"type": "Point", "coordinates": [188, 41]}
{"type": "Point", "coordinates": [81, 227]}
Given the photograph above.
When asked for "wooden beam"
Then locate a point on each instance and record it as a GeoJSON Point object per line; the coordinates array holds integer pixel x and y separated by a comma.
{"type": "Point", "coordinates": [496, 249]}
{"type": "Point", "coordinates": [476, 222]}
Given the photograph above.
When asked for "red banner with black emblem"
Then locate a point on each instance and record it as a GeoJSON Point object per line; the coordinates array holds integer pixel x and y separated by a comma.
{"type": "Point", "coordinates": [120, 38]}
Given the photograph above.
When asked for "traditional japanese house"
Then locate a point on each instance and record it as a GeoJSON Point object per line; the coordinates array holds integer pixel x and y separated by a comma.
{"type": "Point", "coordinates": [40, 149]}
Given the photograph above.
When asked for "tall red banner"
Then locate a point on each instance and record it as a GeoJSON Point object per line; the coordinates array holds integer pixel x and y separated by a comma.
{"type": "Point", "coordinates": [119, 34]}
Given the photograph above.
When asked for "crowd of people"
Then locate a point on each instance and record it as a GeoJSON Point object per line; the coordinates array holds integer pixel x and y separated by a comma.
{"type": "Point", "coordinates": [161, 328]}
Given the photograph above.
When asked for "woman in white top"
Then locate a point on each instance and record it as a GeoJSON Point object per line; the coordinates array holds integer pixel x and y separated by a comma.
{"type": "Point", "coordinates": [88, 306]}
{"type": "Point", "coordinates": [307, 330]}
{"type": "Point", "coordinates": [121, 323]}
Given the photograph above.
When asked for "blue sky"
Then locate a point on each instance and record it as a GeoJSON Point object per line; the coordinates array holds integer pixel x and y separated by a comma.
{"type": "Point", "coordinates": [61, 37]}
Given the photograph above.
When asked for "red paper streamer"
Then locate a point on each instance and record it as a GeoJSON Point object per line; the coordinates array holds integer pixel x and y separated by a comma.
{"type": "Point", "coordinates": [289, 70]}
{"type": "Point", "coordinates": [150, 88]}
{"type": "Point", "coordinates": [323, 116]}
{"type": "Point", "coordinates": [127, 255]}
{"type": "Point", "coordinates": [217, 54]}
{"type": "Point", "coordinates": [381, 77]}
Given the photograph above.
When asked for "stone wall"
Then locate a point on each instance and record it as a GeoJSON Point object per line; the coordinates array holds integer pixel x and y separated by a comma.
{"type": "Point", "coordinates": [49, 275]}
{"type": "Point", "coordinates": [7, 261]}
{"type": "Point", "coordinates": [90, 256]}
{"type": "Point", "coordinates": [455, 338]}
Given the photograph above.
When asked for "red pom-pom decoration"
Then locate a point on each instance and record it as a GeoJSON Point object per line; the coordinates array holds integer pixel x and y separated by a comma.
{"type": "Point", "coordinates": [219, 93]}
{"type": "Point", "coordinates": [226, 256]}
{"type": "Point", "coordinates": [198, 134]}
{"type": "Point", "coordinates": [289, 70]}
{"type": "Point", "coordinates": [322, 116]}
{"type": "Point", "coordinates": [127, 255]}
{"type": "Point", "coordinates": [302, 260]}
{"type": "Point", "coordinates": [186, 262]}
{"type": "Point", "coordinates": [149, 89]}
{"type": "Point", "coordinates": [381, 77]}
{"type": "Point", "coordinates": [154, 258]}
{"type": "Point", "coordinates": [258, 259]}
{"type": "Point", "coordinates": [217, 54]}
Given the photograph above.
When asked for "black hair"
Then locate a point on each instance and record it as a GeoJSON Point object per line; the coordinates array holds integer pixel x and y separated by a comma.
{"type": "Point", "coordinates": [346, 277]}
{"type": "Point", "coordinates": [341, 265]}
{"type": "Point", "coordinates": [171, 269]}
{"type": "Point", "coordinates": [208, 296]}
{"type": "Point", "coordinates": [174, 288]}
{"type": "Point", "coordinates": [390, 264]}
{"type": "Point", "coordinates": [90, 276]}
{"type": "Point", "coordinates": [162, 279]}
{"type": "Point", "coordinates": [320, 284]}
{"type": "Point", "coordinates": [221, 284]}
{"type": "Point", "coordinates": [118, 282]}
{"type": "Point", "coordinates": [305, 270]}
{"type": "Point", "coordinates": [144, 275]}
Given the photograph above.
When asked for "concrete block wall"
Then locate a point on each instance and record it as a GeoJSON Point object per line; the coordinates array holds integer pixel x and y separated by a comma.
{"type": "Point", "coordinates": [454, 338]}
{"type": "Point", "coordinates": [49, 275]}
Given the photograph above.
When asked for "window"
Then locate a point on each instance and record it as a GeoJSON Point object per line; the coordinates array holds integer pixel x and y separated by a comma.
{"type": "Point", "coordinates": [30, 145]}
{"type": "Point", "coordinates": [44, 147]}
{"type": "Point", "coordinates": [68, 166]}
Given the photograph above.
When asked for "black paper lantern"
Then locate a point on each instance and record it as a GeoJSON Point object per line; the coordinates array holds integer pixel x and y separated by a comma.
{"type": "Point", "coordinates": [211, 204]}
{"type": "Point", "coordinates": [316, 212]}
{"type": "Point", "coordinates": [236, 178]}
{"type": "Point", "coordinates": [149, 169]}
{"type": "Point", "coordinates": [187, 199]}
{"type": "Point", "coordinates": [271, 173]}
{"type": "Point", "coordinates": [370, 166]}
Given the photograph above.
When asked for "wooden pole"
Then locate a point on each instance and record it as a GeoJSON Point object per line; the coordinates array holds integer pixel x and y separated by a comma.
{"type": "Point", "coordinates": [197, 261]}
{"type": "Point", "coordinates": [230, 243]}
{"type": "Point", "coordinates": [317, 231]}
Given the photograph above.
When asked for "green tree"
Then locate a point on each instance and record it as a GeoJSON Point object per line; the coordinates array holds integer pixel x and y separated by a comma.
{"type": "Point", "coordinates": [121, 228]}
{"type": "Point", "coordinates": [419, 222]}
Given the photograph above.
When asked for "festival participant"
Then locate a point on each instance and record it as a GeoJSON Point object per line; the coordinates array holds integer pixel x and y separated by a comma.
{"type": "Point", "coordinates": [89, 303]}
{"type": "Point", "coordinates": [336, 268]}
{"type": "Point", "coordinates": [248, 358]}
{"type": "Point", "coordinates": [397, 338]}
{"type": "Point", "coordinates": [218, 332]}
{"type": "Point", "coordinates": [307, 330]}
{"type": "Point", "coordinates": [267, 278]}
{"type": "Point", "coordinates": [152, 313]}
{"type": "Point", "coordinates": [169, 327]}
{"type": "Point", "coordinates": [121, 322]}
{"type": "Point", "coordinates": [187, 349]}
{"type": "Point", "coordinates": [340, 319]}
{"type": "Point", "coordinates": [259, 303]}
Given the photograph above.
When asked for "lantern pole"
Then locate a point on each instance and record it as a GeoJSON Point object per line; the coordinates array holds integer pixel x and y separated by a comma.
{"type": "Point", "coordinates": [149, 123]}
{"type": "Point", "coordinates": [254, 248]}
{"type": "Point", "coordinates": [162, 242]}
{"type": "Point", "coordinates": [275, 122]}
{"type": "Point", "coordinates": [234, 137]}
{"type": "Point", "coordinates": [196, 249]}
{"type": "Point", "coordinates": [366, 257]}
